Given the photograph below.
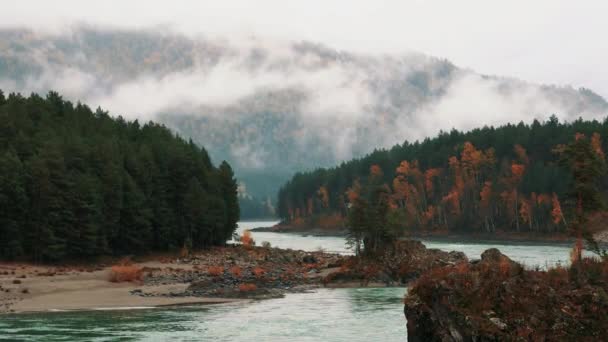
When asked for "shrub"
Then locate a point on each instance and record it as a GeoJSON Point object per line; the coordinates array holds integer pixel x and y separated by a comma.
{"type": "Point", "coordinates": [124, 273]}
{"type": "Point", "coordinates": [370, 271]}
{"type": "Point", "coordinates": [215, 271]}
{"type": "Point", "coordinates": [246, 239]}
{"type": "Point", "coordinates": [248, 287]}
{"type": "Point", "coordinates": [258, 272]}
{"type": "Point", "coordinates": [557, 277]}
{"type": "Point", "coordinates": [236, 271]}
{"type": "Point", "coordinates": [266, 244]}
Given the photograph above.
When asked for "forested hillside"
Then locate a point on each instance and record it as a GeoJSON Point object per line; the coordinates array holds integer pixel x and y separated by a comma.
{"type": "Point", "coordinates": [272, 108]}
{"type": "Point", "coordinates": [78, 183]}
{"type": "Point", "coordinates": [487, 180]}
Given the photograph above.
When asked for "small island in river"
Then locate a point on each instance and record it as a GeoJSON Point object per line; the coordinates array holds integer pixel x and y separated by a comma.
{"type": "Point", "coordinates": [217, 275]}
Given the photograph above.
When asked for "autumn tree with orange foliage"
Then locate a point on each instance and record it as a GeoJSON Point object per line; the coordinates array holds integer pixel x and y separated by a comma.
{"type": "Point", "coordinates": [556, 211]}
{"type": "Point", "coordinates": [323, 196]}
{"type": "Point", "coordinates": [510, 195]}
{"type": "Point", "coordinates": [596, 144]}
{"type": "Point", "coordinates": [525, 212]}
{"type": "Point", "coordinates": [471, 159]}
{"type": "Point", "coordinates": [429, 177]}
{"type": "Point", "coordinates": [500, 180]}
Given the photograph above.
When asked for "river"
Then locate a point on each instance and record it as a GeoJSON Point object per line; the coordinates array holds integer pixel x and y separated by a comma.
{"type": "Point", "coordinates": [323, 315]}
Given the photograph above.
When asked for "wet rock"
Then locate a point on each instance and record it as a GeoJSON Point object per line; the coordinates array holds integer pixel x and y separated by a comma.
{"type": "Point", "coordinates": [309, 259]}
{"type": "Point", "coordinates": [498, 323]}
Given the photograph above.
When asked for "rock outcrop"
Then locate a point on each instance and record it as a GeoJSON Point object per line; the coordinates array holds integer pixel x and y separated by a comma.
{"type": "Point", "coordinates": [399, 265]}
{"type": "Point", "coordinates": [496, 299]}
{"type": "Point", "coordinates": [260, 272]}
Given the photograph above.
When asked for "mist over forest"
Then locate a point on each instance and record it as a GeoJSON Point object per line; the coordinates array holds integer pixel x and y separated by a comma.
{"type": "Point", "coordinates": [270, 107]}
{"type": "Point", "coordinates": [395, 170]}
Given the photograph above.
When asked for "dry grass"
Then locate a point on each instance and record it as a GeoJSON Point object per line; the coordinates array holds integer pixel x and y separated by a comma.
{"type": "Point", "coordinates": [247, 287]}
{"type": "Point", "coordinates": [215, 271]}
{"type": "Point", "coordinates": [125, 273]}
{"type": "Point", "coordinates": [258, 272]}
{"type": "Point", "coordinates": [236, 271]}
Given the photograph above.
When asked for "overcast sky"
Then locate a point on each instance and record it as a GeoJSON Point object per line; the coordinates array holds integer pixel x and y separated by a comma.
{"type": "Point", "coordinates": [551, 41]}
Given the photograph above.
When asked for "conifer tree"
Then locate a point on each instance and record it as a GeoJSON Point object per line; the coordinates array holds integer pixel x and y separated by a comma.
{"type": "Point", "coordinates": [77, 184]}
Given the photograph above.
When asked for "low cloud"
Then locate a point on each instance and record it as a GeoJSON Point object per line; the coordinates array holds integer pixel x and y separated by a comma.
{"type": "Point", "coordinates": [326, 102]}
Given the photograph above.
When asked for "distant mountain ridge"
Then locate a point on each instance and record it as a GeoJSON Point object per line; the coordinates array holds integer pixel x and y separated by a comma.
{"type": "Point", "coordinates": [274, 108]}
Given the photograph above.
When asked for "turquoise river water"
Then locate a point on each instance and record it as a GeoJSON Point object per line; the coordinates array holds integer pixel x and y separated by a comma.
{"type": "Point", "coordinates": [366, 314]}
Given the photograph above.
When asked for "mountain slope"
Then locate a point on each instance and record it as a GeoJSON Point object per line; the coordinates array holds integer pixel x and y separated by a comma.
{"type": "Point", "coordinates": [273, 108]}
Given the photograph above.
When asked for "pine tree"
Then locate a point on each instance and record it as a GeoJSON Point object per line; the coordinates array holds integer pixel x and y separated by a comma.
{"type": "Point", "coordinates": [134, 232]}
{"type": "Point", "coordinates": [13, 205]}
{"type": "Point", "coordinates": [76, 183]}
{"type": "Point", "coordinates": [84, 237]}
{"type": "Point", "coordinates": [230, 193]}
{"type": "Point", "coordinates": [587, 166]}
{"type": "Point", "coordinates": [42, 242]}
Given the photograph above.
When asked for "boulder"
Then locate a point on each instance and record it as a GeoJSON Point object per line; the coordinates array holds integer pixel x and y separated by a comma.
{"type": "Point", "coordinates": [309, 259]}
{"type": "Point", "coordinates": [493, 259]}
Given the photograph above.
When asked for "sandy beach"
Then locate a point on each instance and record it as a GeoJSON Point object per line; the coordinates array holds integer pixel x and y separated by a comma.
{"type": "Point", "coordinates": [27, 288]}
{"type": "Point", "coordinates": [213, 276]}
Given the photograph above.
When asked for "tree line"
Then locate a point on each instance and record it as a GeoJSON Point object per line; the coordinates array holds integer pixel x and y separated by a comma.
{"type": "Point", "coordinates": [79, 183]}
{"type": "Point", "coordinates": [506, 179]}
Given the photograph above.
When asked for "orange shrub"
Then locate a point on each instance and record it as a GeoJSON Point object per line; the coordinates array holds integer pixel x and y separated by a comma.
{"type": "Point", "coordinates": [215, 271]}
{"type": "Point", "coordinates": [236, 271]}
{"type": "Point", "coordinates": [247, 287]}
{"type": "Point", "coordinates": [122, 273]}
{"type": "Point", "coordinates": [258, 272]}
{"type": "Point", "coordinates": [246, 239]}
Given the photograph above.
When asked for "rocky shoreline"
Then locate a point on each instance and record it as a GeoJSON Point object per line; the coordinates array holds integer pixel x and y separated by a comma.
{"type": "Point", "coordinates": [217, 275]}
{"type": "Point", "coordinates": [262, 272]}
{"type": "Point", "coordinates": [245, 272]}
